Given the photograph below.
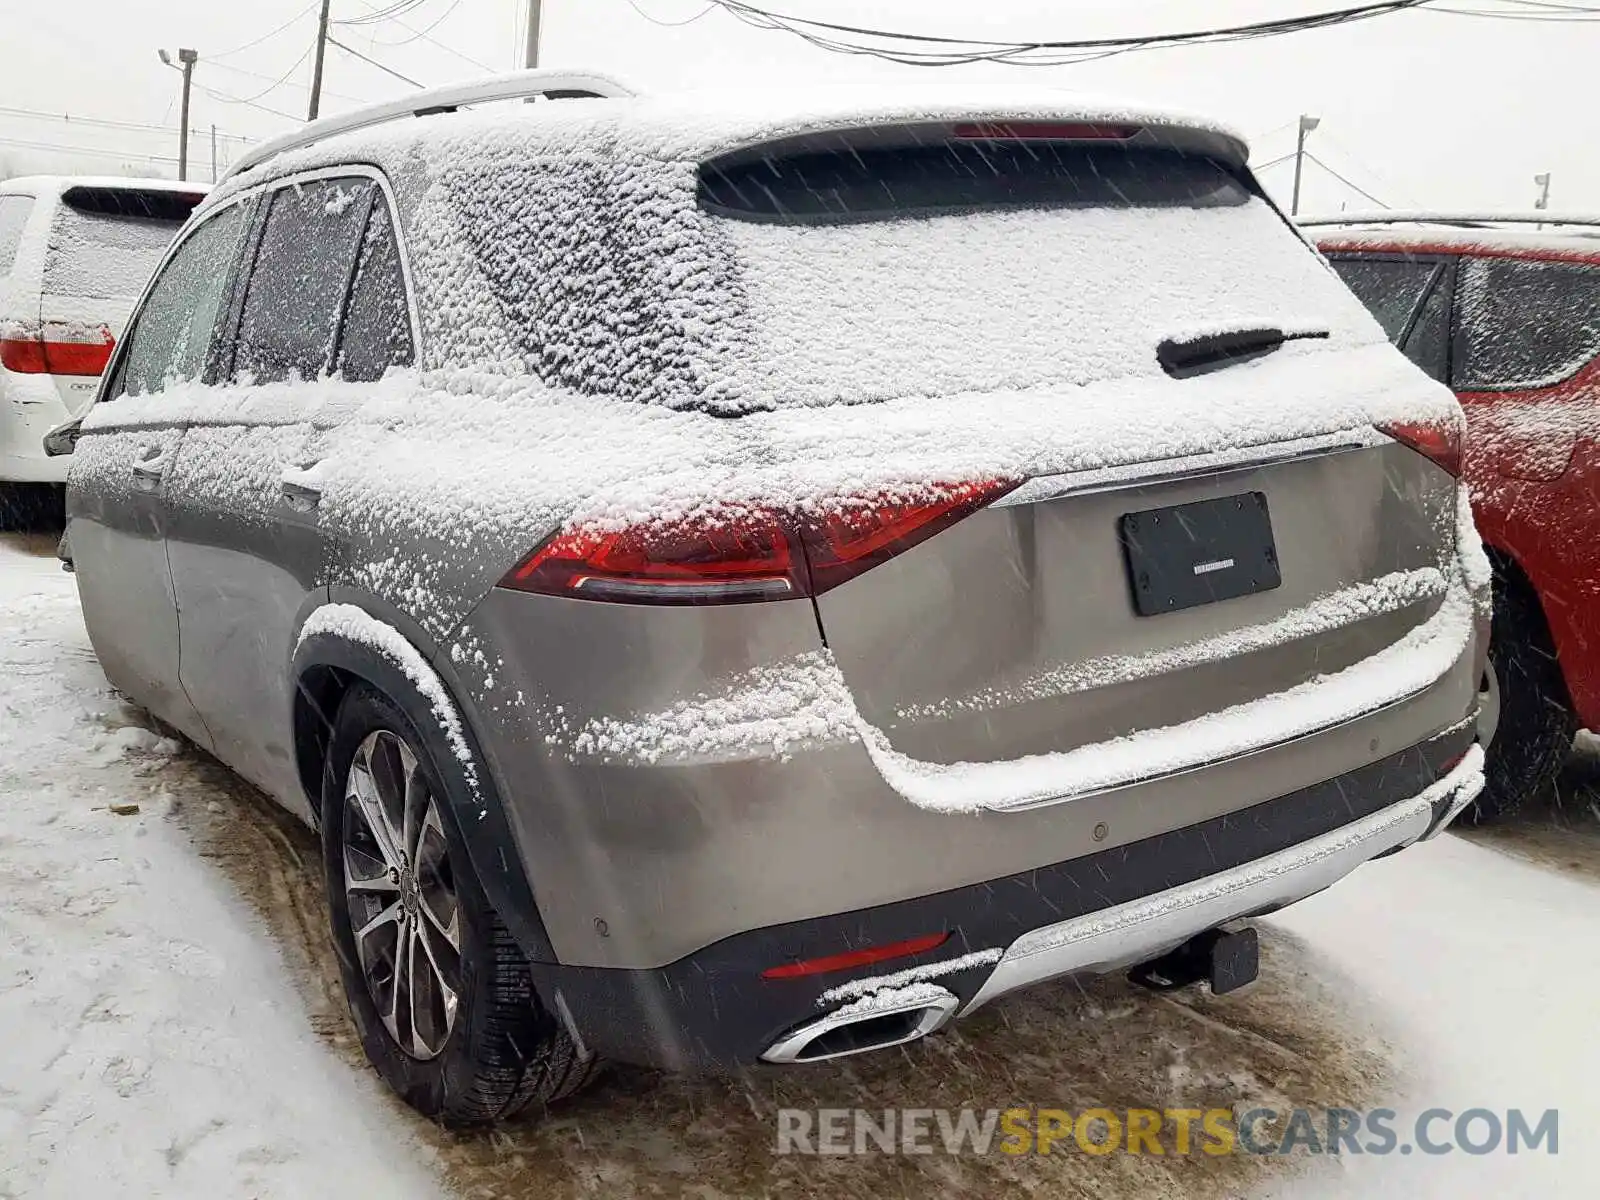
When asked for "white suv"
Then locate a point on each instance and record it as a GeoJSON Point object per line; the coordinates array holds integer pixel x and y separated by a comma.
{"type": "Point", "coordinates": [75, 254]}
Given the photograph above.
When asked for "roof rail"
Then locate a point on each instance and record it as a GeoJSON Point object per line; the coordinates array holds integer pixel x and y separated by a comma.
{"type": "Point", "coordinates": [514, 85]}
{"type": "Point", "coordinates": [1471, 220]}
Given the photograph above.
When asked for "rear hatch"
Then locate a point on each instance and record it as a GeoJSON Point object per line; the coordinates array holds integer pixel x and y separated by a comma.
{"type": "Point", "coordinates": [104, 243]}
{"type": "Point", "coordinates": [1234, 536]}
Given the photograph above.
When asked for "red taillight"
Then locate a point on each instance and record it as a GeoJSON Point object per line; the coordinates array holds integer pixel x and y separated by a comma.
{"type": "Point", "coordinates": [1438, 443]}
{"type": "Point", "coordinates": [856, 958]}
{"type": "Point", "coordinates": [25, 356]}
{"type": "Point", "coordinates": [700, 562]}
{"type": "Point", "coordinates": [58, 350]}
{"type": "Point", "coordinates": [1050, 131]}
{"type": "Point", "coordinates": [853, 538]}
{"type": "Point", "coordinates": [755, 555]}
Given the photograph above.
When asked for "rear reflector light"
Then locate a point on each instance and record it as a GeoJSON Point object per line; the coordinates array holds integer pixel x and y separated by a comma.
{"type": "Point", "coordinates": [58, 350]}
{"type": "Point", "coordinates": [1438, 443]}
{"type": "Point", "coordinates": [856, 958]}
{"type": "Point", "coordinates": [755, 555]}
{"type": "Point", "coordinates": [1050, 131]}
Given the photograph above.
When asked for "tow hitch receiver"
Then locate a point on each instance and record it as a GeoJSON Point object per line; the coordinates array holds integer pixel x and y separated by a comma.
{"type": "Point", "coordinates": [1226, 958]}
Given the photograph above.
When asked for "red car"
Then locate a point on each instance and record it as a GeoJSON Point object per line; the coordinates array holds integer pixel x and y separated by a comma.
{"type": "Point", "coordinates": [1506, 310]}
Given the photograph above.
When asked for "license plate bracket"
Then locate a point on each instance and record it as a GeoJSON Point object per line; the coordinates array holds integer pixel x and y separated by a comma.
{"type": "Point", "coordinates": [1187, 555]}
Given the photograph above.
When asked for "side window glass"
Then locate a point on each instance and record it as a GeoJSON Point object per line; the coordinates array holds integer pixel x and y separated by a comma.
{"type": "Point", "coordinates": [173, 330]}
{"type": "Point", "coordinates": [377, 325]}
{"type": "Point", "coordinates": [298, 283]}
{"type": "Point", "coordinates": [1390, 288]}
{"type": "Point", "coordinates": [1524, 324]}
{"type": "Point", "coordinates": [1428, 344]}
{"type": "Point", "coordinates": [14, 212]}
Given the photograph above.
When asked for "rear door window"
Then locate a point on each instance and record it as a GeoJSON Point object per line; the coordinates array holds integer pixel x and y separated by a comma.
{"type": "Point", "coordinates": [302, 271]}
{"type": "Point", "coordinates": [105, 241]}
{"type": "Point", "coordinates": [1524, 324]}
{"type": "Point", "coordinates": [173, 332]}
{"type": "Point", "coordinates": [1410, 297]}
{"type": "Point", "coordinates": [14, 212]}
{"type": "Point", "coordinates": [377, 325]}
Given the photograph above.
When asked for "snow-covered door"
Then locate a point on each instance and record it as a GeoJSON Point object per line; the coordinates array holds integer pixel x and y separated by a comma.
{"type": "Point", "coordinates": [122, 475]}
{"type": "Point", "coordinates": [246, 546]}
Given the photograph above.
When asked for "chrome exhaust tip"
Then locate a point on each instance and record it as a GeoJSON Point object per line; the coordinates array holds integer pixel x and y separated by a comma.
{"type": "Point", "coordinates": [873, 1023]}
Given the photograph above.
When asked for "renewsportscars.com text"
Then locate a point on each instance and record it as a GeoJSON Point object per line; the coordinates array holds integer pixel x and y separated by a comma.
{"type": "Point", "coordinates": [1169, 1131]}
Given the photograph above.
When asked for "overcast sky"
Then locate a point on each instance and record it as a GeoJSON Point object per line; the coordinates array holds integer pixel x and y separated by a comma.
{"type": "Point", "coordinates": [1419, 108]}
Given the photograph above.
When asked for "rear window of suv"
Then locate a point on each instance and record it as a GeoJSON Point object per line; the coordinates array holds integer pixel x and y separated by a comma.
{"type": "Point", "coordinates": [105, 242]}
{"type": "Point", "coordinates": [804, 273]}
{"type": "Point", "coordinates": [866, 183]}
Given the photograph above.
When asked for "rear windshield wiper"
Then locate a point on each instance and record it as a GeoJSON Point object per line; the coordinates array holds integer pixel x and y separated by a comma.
{"type": "Point", "coordinates": [1187, 357]}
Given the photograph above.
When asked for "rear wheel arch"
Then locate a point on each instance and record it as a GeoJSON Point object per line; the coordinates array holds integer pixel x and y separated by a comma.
{"type": "Point", "coordinates": [1535, 714]}
{"type": "Point", "coordinates": [1510, 573]}
{"type": "Point", "coordinates": [325, 667]}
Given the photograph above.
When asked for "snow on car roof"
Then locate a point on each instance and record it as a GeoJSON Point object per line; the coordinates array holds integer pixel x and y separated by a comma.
{"type": "Point", "coordinates": [1565, 241]}
{"type": "Point", "coordinates": [693, 125]}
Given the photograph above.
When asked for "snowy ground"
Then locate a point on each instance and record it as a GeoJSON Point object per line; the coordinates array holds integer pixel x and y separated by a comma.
{"type": "Point", "coordinates": [173, 1024]}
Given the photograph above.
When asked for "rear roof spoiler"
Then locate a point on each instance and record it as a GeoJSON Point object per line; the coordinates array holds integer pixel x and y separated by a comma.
{"type": "Point", "coordinates": [157, 204]}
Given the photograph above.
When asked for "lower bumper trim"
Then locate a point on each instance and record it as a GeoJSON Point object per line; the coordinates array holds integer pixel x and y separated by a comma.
{"type": "Point", "coordinates": [1143, 929]}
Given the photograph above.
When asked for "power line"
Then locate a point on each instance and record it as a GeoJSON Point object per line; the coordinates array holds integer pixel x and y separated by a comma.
{"type": "Point", "coordinates": [377, 15]}
{"type": "Point", "coordinates": [58, 148]}
{"type": "Point", "coordinates": [374, 62]}
{"type": "Point", "coordinates": [1348, 183]}
{"type": "Point", "coordinates": [423, 33]}
{"type": "Point", "coordinates": [710, 6]}
{"type": "Point", "coordinates": [936, 50]}
{"type": "Point", "coordinates": [107, 123]}
{"type": "Point", "coordinates": [286, 82]}
{"type": "Point", "coordinates": [280, 80]}
{"type": "Point", "coordinates": [271, 33]}
{"type": "Point", "coordinates": [227, 99]}
{"type": "Point", "coordinates": [433, 41]}
{"type": "Point", "coordinates": [1256, 139]}
{"type": "Point", "coordinates": [1346, 153]}
{"type": "Point", "coordinates": [1535, 18]}
{"type": "Point", "coordinates": [1282, 158]}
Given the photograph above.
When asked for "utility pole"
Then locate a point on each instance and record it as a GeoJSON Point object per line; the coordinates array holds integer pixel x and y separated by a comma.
{"type": "Point", "coordinates": [187, 58]}
{"type": "Point", "coordinates": [531, 58]}
{"type": "Point", "coordinates": [316, 70]}
{"type": "Point", "coordinates": [1307, 124]}
{"type": "Point", "coordinates": [213, 154]}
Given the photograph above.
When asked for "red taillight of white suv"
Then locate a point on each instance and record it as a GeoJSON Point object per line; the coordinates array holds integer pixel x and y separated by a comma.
{"type": "Point", "coordinates": [755, 555]}
{"type": "Point", "coordinates": [56, 348]}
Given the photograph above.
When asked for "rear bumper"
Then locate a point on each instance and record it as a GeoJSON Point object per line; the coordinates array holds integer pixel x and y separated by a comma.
{"type": "Point", "coordinates": [1089, 915]}
{"type": "Point", "coordinates": [1144, 929]}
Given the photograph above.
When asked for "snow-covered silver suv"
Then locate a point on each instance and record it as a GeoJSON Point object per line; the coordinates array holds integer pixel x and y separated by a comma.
{"type": "Point", "coordinates": [752, 578]}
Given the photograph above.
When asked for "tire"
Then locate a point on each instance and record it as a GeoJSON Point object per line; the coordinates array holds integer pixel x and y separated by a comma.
{"type": "Point", "coordinates": [500, 1050]}
{"type": "Point", "coordinates": [1533, 735]}
{"type": "Point", "coordinates": [32, 507]}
